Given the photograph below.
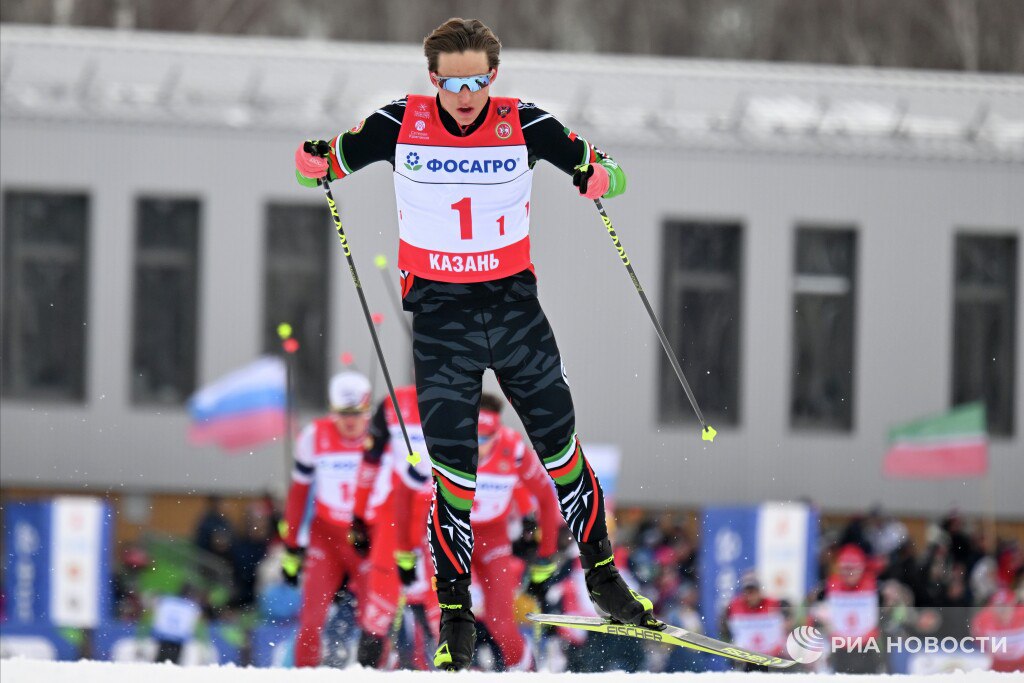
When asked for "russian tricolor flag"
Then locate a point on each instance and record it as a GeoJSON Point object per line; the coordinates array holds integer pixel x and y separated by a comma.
{"type": "Point", "coordinates": [243, 409]}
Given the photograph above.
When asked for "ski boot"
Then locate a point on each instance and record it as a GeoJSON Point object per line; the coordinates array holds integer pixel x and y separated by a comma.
{"type": "Point", "coordinates": [458, 625]}
{"type": "Point", "coordinates": [613, 599]}
{"type": "Point", "coordinates": [370, 650]}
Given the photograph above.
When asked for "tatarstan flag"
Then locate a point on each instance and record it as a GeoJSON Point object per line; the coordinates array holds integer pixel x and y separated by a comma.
{"type": "Point", "coordinates": [954, 445]}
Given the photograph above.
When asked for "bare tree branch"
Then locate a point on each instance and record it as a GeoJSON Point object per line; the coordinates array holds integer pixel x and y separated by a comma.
{"type": "Point", "coordinates": [973, 35]}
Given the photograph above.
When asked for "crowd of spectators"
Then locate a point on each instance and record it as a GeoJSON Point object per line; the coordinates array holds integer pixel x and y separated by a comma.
{"type": "Point", "coordinates": [241, 549]}
{"type": "Point", "coordinates": [945, 587]}
{"type": "Point", "coordinates": [220, 571]}
{"type": "Point", "coordinates": [936, 587]}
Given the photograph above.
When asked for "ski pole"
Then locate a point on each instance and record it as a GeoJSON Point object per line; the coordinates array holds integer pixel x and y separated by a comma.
{"type": "Point", "coordinates": [707, 431]}
{"type": "Point", "coordinates": [381, 262]}
{"type": "Point", "coordinates": [290, 345]}
{"type": "Point", "coordinates": [413, 457]}
{"type": "Point", "coordinates": [377, 320]}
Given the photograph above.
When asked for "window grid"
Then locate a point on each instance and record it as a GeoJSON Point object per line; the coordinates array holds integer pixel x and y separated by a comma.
{"type": "Point", "coordinates": [45, 280]}
{"type": "Point", "coordinates": [984, 326]}
{"type": "Point", "coordinates": [298, 248]}
{"type": "Point", "coordinates": [701, 308]}
{"type": "Point", "coordinates": [166, 291]}
{"type": "Point", "coordinates": [824, 310]}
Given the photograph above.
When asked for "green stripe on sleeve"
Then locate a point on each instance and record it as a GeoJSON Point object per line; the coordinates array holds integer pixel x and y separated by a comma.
{"type": "Point", "coordinates": [341, 154]}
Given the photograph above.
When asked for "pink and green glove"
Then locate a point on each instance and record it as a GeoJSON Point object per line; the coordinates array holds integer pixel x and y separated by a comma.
{"type": "Point", "coordinates": [312, 162]}
{"type": "Point", "coordinates": [599, 179]}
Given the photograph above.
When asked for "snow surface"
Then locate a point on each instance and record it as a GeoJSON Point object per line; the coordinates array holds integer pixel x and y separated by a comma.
{"type": "Point", "coordinates": [29, 671]}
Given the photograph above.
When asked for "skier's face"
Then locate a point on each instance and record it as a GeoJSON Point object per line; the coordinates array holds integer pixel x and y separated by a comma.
{"type": "Point", "coordinates": [464, 106]}
{"type": "Point", "coordinates": [352, 425]}
{"type": "Point", "coordinates": [851, 573]}
{"type": "Point", "coordinates": [486, 444]}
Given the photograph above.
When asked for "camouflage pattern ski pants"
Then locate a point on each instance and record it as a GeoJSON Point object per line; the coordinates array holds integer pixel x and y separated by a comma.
{"type": "Point", "coordinates": [452, 348]}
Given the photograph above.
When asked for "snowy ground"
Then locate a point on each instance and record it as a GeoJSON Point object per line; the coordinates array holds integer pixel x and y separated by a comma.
{"type": "Point", "coordinates": [27, 671]}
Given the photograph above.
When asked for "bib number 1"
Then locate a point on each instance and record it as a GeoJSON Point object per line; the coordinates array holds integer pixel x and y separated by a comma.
{"type": "Point", "coordinates": [465, 209]}
{"type": "Point", "coordinates": [347, 493]}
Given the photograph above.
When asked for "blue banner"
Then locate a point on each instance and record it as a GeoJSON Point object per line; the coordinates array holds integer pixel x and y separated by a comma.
{"type": "Point", "coordinates": [27, 527]}
{"type": "Point", "coordinates": [109, 639]}
{"type": "Point", "coordinates": [36, 641]}
{"type": "Point", "coordinates": [776, 541]}
{"type": "Point", "coordinates": [728, 540]}
{"type": "Point", "coordinates": [121, 641]}
{"type": "Point", "coordinates": [57, 561]}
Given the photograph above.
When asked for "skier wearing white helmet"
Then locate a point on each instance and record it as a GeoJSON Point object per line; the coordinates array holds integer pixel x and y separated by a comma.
{"type": "Point", "coordinates": [349, 394]}
{"type": "Point", "coordinates": [327, 457]}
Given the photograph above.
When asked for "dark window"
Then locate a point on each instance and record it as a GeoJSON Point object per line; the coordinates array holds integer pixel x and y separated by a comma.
{"type": "Point", "coordinates": [166, 300]}
{"type": "Point", "coordinates": [44, 296]}
{"type": "Point", "coordinates": [984, 326]}
{"type": "Point", "coordinates": [297, 282]}
{"type": "Point", "coordinates": [701, 314]}
{"type": "Point", "coordinates": [824, 288]}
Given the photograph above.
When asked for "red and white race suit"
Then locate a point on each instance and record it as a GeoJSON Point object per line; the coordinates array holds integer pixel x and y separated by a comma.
{"type": "Point", "coordinates": [760, 628]}
{"type": "Point", "coordinates": [853, 609]}
{"type": "Point", "coordinates": [511, 469]}
{"type": "Point", "coordinates": [994, 622]}
{"type": "Point", "coordinates": [330, 464]}
{"type": "Point", "coordinates": [395, 496]}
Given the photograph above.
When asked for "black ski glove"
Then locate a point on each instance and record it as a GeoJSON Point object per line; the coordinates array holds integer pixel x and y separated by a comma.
{"type": "Point", "coordinates": [291, 564]}
{"type": "Point", "coordinates": [581, 176]}
{"type": "Point", "coordinates": [406, 562]}
{"type": "Point", "coordinates": [540, 572]}
{"type": "Point", "coordinates": [359, 537]}
{"type": "Point", "coordinates": [321, 148]}
{"type": "Point", "coordinates": [525, 547]}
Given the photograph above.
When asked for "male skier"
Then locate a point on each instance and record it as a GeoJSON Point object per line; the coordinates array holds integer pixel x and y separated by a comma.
{"type": "Point", "coordinates": [327, 456]}
{"type": "Point", "coordinates": [463, 169]}
{"type": "Point", "coordinates": [399, 502]}
{"type": "Point", "coordinates": [507, 466]}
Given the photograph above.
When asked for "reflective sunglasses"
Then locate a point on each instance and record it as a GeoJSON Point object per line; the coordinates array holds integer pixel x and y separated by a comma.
{"type": "Point", "coordinates": [455, 83]}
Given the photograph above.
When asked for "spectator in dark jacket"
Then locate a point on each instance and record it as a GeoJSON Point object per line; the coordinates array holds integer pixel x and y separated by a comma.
{"type": "Point", "coordinates": [248, 550]}
{"type": "Point", "coordinates": [213, 520]}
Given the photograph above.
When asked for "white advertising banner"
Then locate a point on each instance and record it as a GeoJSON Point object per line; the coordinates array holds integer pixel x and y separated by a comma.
{"type": "Point", "coordinates": [782, 530]}
{"type": "Point", "coordinates": [78, 561]}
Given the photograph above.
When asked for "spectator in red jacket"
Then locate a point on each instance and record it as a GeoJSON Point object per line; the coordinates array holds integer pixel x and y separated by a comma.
{"type": "Point", "coordinates": [1003, 618]}
{"type": "Point", "coordinates": [755, 622]}
{"type": "Point", "coordinates": [853, 612]}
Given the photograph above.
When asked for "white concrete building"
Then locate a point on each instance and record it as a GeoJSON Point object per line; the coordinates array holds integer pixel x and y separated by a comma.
{"type": "Point", "coordinates": [833, 252]}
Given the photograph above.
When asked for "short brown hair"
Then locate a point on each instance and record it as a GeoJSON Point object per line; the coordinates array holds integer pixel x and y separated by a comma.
{"type": "Point", "coordinates": [461, 35]}
{"type": "Point", "coordinates": [491, 402]}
